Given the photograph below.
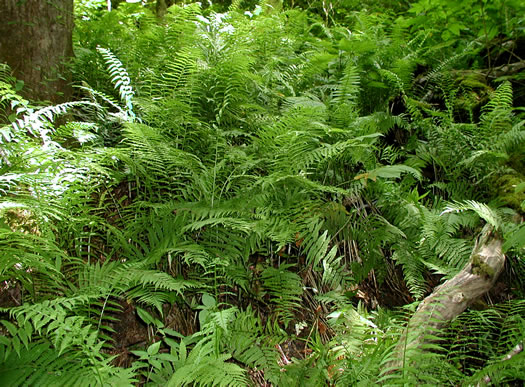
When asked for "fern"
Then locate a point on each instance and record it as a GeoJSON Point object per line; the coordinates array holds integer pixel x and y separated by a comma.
{"type": "Point", "coordinates": [482, 210]}
{"type": "Point", "coordinates": [202, 364]}
{"type": "Point", "coordinates": [511, 140]}
{"type": "Point", "coordinates": [344, 97]}
{"type": "Point", "coordinates": [284, 289]}
{"type": "Point", "coordinates": [20, 106]}
{"type": "Point", "coordinates": [205, 370]}
{"type": "Point", "coordinates": [120, 79]}
{"type": "Point", "coordinates": [41, 364]}
{"type": "Point", "coordinates": [496, 113]}
{"type": "Point", "coordinates": [254, 347]}
{"type": "Point", "coordinates": [259, 166]}
{"type": "Point", "coordinates": [38, 122]}
{"type": "Point", "coordinates": [498, 328]}
{"type": "Point", "coordinates": [413, 269]}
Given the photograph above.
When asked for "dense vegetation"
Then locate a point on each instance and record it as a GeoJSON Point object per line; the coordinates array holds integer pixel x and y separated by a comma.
{"type": "Point", "coordinates": [259, 193]}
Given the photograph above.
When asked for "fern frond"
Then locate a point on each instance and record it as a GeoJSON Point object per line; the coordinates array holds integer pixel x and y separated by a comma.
{"type": "Point", "coordinates": [120, 78]}
{"type": "Point", "coordinates": [40, 364]}
{"type": "Point", "coordinates": [496, 114]}
{"type": "Point", "coordinates": [349, 87]}
{"type": "Point", "coordinates": [413, 269]}
{"type": "Point", "coordinates": [38, 122]}
{"type": "Point", "coordinates": [156, 279]}
{"type": "Point", "coordinates": [284, 288]}
{"type": "Point", "coordinates": [250, 345]}
{"type": "Point", "coordinates": [482, 210]}
{"type": "Point", "coordinates": [515, 239]}
{"type": "Point", "coordinates": [173, 80]}
{"type": "Point", "coordinates": [202, 367]}
{"type": "Point", "coordinates": [511, 140]}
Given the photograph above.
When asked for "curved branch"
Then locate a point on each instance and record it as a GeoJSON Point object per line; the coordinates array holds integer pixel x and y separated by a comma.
{"type": "Point", "coordinates": [451, 298]}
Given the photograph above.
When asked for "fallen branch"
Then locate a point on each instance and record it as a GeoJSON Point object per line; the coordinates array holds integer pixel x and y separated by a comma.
{"type": "Point", "coordinates": [451, 298]}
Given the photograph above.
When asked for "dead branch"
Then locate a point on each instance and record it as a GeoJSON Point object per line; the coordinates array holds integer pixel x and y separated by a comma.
{"type": "Point", "coordinates": [452, 297]}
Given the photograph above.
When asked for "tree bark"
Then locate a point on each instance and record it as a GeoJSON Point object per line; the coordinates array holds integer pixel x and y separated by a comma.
{"type": "Point", "coordinates": [162, 6]}
{"type": "Point", "coordinates": [36, 42]}
{"type": "Point", "coordinates": [451, 298]}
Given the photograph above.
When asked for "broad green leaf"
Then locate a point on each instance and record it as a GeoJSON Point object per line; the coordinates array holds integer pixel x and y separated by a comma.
{"type": "Point", "coordinates": [145, 316]}
{"type": "Point", "coordinates": [455, 28]}
{"type": "Point", "coordinates": [208, 301]}
{"type": "Point", "coordinates": [153, 349]}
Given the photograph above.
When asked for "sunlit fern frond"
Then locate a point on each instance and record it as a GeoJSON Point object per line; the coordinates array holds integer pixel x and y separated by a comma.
{"type": "Point", "coordinates": [120, 79]}
{"type": "Point", "coordinates": [482, 210]}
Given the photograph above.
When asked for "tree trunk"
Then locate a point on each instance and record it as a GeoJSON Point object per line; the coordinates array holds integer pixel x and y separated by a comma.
{"type": "Point", "coordinates": [114, 4]}
{"type": "Point", "coordinates": [36, 42]}
{"type": "Point", "coordinates": [451, 298]}
{"type": "Point", "coordinates": [162, 6]}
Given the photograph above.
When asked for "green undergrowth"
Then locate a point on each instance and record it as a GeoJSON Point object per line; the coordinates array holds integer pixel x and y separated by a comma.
{"type": "Point", "coordinates": [263, 196]}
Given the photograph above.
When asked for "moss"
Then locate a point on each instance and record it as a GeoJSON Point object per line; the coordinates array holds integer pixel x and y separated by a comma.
{"type": "Point", "coordinates": [481, 268]}
{"type": "Point", "coordinates": [505, 189]}
{"type": "Point", "coordinates": [472, 80]}
{"type": "Point", "coordinates": [517, 160]}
